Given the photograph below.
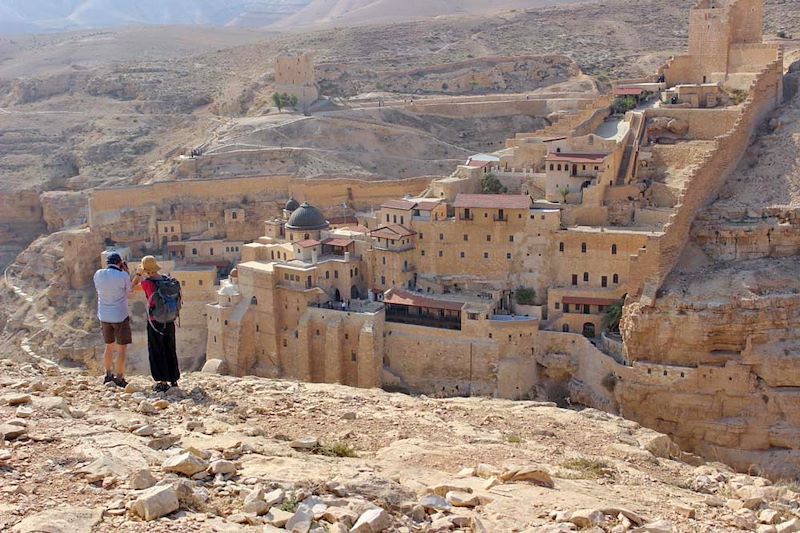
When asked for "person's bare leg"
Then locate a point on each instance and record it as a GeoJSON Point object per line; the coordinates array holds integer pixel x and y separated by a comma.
{"type": "Point", "coordinates": [122, 356]}
{"type": "Point", "coordinates": [108, 358]}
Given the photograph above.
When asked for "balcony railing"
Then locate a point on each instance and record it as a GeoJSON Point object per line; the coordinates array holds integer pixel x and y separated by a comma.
{"type": "Point", "coordinates": [503, 218]}
{"type": "Point", "coordinates": [466, 217]}
{"type": "Point", "coordinates": [429, 322]}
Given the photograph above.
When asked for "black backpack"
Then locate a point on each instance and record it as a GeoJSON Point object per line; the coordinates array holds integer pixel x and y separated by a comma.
{"type": "Point", "coordinates": [166, 301]}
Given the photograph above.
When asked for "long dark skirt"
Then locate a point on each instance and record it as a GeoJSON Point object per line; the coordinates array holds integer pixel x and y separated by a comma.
{"type": "Point", "coordinates": [161, 349]}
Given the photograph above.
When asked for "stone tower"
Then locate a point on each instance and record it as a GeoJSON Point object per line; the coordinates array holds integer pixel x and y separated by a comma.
{"type": "Point", "coordinates": [294, 75]}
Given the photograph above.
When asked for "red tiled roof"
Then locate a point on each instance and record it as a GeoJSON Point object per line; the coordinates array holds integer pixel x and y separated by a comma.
{"type": "Point", "coordinates": [628, 91]}
{"type": "Point", "coordinates": [405, 205]}
{"type": "Point", "coordinates": [308, 243]}
{"type": "Point", "coordinates": [493, 201]}
{"type": "Point", "coordinates": [342, 243]}
{"type": "Point", "coordinates": [589, 301]}
{"type": "Point", "coordinates": [401, 297]}
{"type": "Point", "coordinates": [395, 231]}
{"type": "Point", "coordinates": [576, 158]}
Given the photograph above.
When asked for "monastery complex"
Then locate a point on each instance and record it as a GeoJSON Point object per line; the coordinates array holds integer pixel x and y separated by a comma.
{"type": "Point", "coordinates": [435, 286]}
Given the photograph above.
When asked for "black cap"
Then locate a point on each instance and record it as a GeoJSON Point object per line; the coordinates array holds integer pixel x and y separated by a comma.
{"type": "Point", "coordinates": [113, 258]}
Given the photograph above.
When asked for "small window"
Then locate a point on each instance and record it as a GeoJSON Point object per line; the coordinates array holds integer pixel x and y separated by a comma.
{"type": "Point", "coordinates": [574, 279]}
{"type": "Point", "coordinates": [353, 357]}
{"type": "Point", "coordinates": [234, 215]}
{"type": "Point", "coordinates": [586, 309]}
{"type": "Point", "coordinates": [466, 237]}
{"type": "Point", "coordinates": [441, 253]}
{"type": "Point", "coordinates": [384, 260]}
{"type": "Point", "coordinates": [183, 283]}
{"type": "Point", "coordinates": [346, 336]}
{"type": "Point", "coordinates": [586, 277]}
{"type": "Point", "coordinates": [566, 308]}
{"type": "Point", "coordinates": [486, 255]}
{"type": "Point", "coordinates": [336, 274]}
{"type": "Point", "coordinates": [565, 328]}
{"type": "Point", "coordinates": [604, 281]}
{"type": "Point", "coordinates": [559, 166]}
{"type": "Point", "coordinates": [226, 322]}
{"type": "Point", "coordinates": [327, 274]}
{"type": "Point", "coordinates": [387, 218]}
{"type": "Point", "coordinates": [441, 236]}
{"type": "Point", "coordinates": [561, 247]}
{"type": "Point", "coordinates": [583, 247]}
{"type": "Point", "coordinates": [552, 166]}
{"type": "Point", "coordinates": [488, 238]}
{"type": "Point", "coordinates": [558, 306]}
{"type": "Point", "coordinates": [194, 251]}
{"type": "Point", "coordinates": [383, 280]}
{"type": "Point", "coordinates": [420, 236]}
{"type": "Point", "coordinates": [285, 343]}
{"type": "Point", "coordinates": [613, 249]}
{"type": "Point", "coordinates": [394, 218]}
{"type": "Point", "coordinates": [616, 278]}
{"type": "Point", "coordinates": [422, 253]}
{"type": "Point", "coordinates": [462, 255]}
{"type": "Point", "coordinates": [508, 255]}
{"type": "Point", "coordinates": [510, 238]}
{"type": "Point", "coordinates": [200, 282]}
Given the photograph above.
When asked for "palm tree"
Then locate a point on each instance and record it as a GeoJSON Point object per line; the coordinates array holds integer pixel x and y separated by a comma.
{"type": "Point", "coordinates": [612, 317]}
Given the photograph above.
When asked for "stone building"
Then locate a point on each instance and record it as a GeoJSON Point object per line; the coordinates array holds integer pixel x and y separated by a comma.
{"type": "Point", "coordinates": [294, 75]}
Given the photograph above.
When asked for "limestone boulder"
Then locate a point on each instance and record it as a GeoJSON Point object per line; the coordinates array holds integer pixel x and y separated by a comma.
{"type": "Point", "coordinates": [61, 520]}
{"type": "Point", "coordinates": [185, 463]}
{"type": "Point", "coordinates": [301, 520]}
{"type": "Point", "coordinates": [462, 499]}
{"type": "Point", "coordinates": [586, 518]}
{"type": "Point", "coordinates": [214, 366]}
{"type": "Point", "coordinates": [156, 502]}
{"type": "Point", "coordinates": [372, 521]}
{"type": "Point", "coordinates": [142, 479]}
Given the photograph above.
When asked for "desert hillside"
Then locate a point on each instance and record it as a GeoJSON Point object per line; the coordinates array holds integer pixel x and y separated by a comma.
{"type": "Point", "coordinates": [226, 454]}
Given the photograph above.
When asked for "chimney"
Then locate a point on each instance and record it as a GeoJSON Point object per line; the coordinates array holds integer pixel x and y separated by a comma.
{"type": "Point", "coordinates": [347, 256]}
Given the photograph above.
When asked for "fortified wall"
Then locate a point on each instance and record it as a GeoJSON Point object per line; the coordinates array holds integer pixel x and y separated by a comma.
{"type": "Point", "coordinates": [662, 252]}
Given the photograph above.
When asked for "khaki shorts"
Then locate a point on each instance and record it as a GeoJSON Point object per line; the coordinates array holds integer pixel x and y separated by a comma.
{"type": "Point", "coordinates": [119, 332]}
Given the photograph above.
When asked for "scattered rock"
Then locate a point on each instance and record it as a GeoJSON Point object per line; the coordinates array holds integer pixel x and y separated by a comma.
{"type": "Point", "coordinates": [214, 366]}
{"type": "Point", "coordinates": [146, 408]}
{"type": "Point", "coordinates": [305, 443]}
{"type": "Point", "coordinates": [254, 502]}
{"type": "Point", "coordinates": [185, 463]}
{"type": "Point", "coordinates": [790, 526]}
{"type": "Point", "coordinates": [434, 503]}
{"type": "Point", "coordinates": [223, 467]}
{"type": "Point", "coordinates": [462, 499]}
{"type": "Point", "coordinates": [142, 479]}
{"type": "Point", "coordinates": [372, 521]}
{"type": "Point", "coordinates": [162, 443]}
{"type": "Point", "coordinates": [769, 516]}
{"type": "Point", "coordinates": [300, 522]}
{"type": "Point", "coordinates": [11, 432]}
{"type": "Point", "coordinates": [23, 412]}
{"type": "Point", "coordinates": [586, 518]}
{"type": "Point", "coordinates": [145, 431]}
{"type": "Point", "coordinates": [17, 399]}
{"type": "Point", "coordinates": [156, 502]}
{"type": "Point", "coordinates": [61, 520]}
{"type": "Point", "coordinates": [528, 473]}
{"type": "Point", "coordinates": [277, 517]}
{"type": "Point", "coordinates": [659, 526]}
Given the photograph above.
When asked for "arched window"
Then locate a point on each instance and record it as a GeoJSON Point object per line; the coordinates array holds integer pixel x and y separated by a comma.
{"type": "Point", "coordinates": [616, 278]}
{"type": "Point", "coordinates": [586, 277]}
{"type": "Point", "coordinates": [613, 249]}
{"type": "Point", "coordinates": [559, 166]}
{"type": "Point", "coordinates": [583, 247]}
{"type": "Point", "coordinates": [253, 301]}
{"type": "Point", "coordinates": [306, 236]}
{"type": "Point", "coordinates": [565, 328]}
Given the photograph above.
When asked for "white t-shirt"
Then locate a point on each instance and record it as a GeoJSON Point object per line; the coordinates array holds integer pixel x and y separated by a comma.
{"type": "Point", "coordinates": [113, 286]}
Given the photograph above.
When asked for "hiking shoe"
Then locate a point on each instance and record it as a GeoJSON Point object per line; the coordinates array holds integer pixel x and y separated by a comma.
{"type": "Point", "coordinates": [160, 387]}
{"type": "Point", "coordinates": [120, 381]}
{"type": "Point", "coordinates": [174, 385]}
{"type": "Point", "coordinates": [109, 377]}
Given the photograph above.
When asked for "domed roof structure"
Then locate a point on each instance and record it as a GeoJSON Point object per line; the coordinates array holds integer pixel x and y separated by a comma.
{"type": "Point", "coordinates": [307, 217]}
{"type": "Point", "coordinates": [292, 204]}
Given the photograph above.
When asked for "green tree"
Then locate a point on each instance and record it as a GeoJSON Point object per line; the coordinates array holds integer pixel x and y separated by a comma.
{"type": "Point", "coordinates": [293, 101]}
{"type": "Point", "coordinates": [491, 185]}
{"type": "Point", "coordinates": [564, 191]}
{"type": "Point", "coordinates": [526, 296]}
{"type": "Point", "coordinates": [623, 105]}
{"type": "Point", "coordinates": [612, 317]}
{"type": "Point", "coordinates": [277, 99]}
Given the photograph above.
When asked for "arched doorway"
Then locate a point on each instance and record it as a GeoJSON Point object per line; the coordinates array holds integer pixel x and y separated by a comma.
{"type": "Point", "coordinates": [588, 330]}
{"type": "Point", "coordinates": [337, 296]}
{"type": "Point", "coordinates": [354, 293]}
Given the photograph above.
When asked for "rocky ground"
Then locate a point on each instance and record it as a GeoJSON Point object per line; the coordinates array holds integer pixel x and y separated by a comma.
{"type": "Point", "coordinates": [227, 454]}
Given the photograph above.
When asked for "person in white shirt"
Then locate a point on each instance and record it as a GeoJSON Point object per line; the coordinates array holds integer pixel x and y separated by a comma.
{"type": "Point", "coordinates": [113, 285]}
